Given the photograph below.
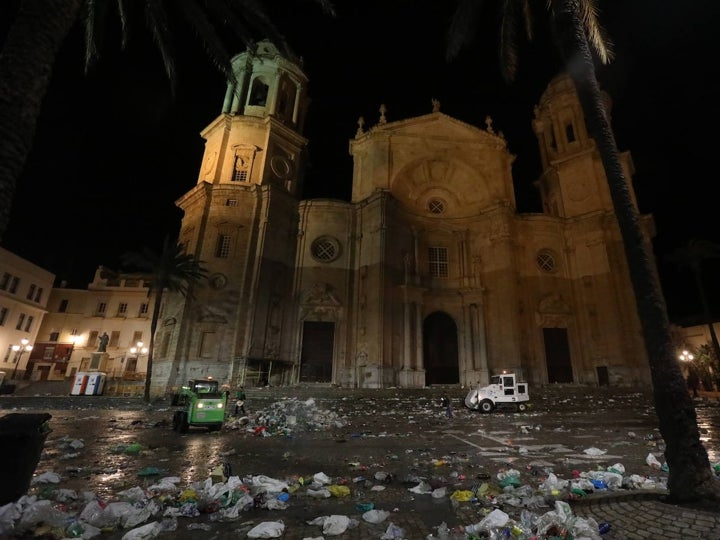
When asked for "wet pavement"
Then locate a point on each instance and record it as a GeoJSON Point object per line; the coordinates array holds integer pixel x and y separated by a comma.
{"type": "Point", "coordinates": [393, 449]}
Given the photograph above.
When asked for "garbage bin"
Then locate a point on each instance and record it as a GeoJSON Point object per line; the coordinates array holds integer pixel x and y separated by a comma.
{"type": "Point", "coordinates": [22, 438]}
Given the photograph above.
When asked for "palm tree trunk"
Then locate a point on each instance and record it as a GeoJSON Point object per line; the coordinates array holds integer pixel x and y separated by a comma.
{"type": "Point", "coordinates": [151, 347]}
{"type": "Point", "coordinates": [690, 475]}
{"type": "Point", "coordinates": [28, 55]}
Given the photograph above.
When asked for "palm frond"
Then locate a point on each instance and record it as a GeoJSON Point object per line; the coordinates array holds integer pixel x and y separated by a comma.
{"type": "Point", "coordinates": [507, 43]}
{"type": "Point", "coordinates": [172, 269]}
{"type": "Point", "coordinates": [123, 13]}
{"type": "Point", "coordinates": [462, 26]}
{"type": "Point", "coordinates": [596, 35]}
{"type": "Point", "coordinates": [91, 22]}
{"type": "Point", "coordinates": [157, 22]}
{"type": "Point", "coordinates": [253, 12]}
{"type": "Point", "coordinates": [208, 36]}
{"type": "Point", "coordinates": [528, 19]}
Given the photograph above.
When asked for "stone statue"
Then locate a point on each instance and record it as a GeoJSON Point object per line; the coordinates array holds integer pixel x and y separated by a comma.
{"type": "Point", "coordinates": [102, 342]}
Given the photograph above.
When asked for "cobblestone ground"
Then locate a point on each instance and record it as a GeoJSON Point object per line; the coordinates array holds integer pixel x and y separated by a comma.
{"type": "Point", "coordinates": [379, 445]}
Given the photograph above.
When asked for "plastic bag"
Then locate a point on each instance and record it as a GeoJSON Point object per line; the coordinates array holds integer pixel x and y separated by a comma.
{"type": "Point", "coordinates": [462, 496]}
{"type": "Point", "coordinates": [267, 529]}
{"type": "Point", "coordinates": [339, 491]}
{"type": "Point", "coordinates": [376, 516]}
{"type": "Point", "coordinates": [393, 532]}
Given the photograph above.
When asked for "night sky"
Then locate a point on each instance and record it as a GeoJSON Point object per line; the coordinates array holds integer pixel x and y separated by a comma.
{"type": "Point", "coordinates": [114, 149]}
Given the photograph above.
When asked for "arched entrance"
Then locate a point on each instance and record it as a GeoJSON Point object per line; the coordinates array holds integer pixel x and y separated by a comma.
{"type": "Point", "coordinates": [440, 349]}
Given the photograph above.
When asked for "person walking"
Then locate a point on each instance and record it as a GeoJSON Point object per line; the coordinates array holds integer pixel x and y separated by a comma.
{"type": "Point", "coordinates": [240, 401]}
{"type": "Point", "coordinates": [447, 403]}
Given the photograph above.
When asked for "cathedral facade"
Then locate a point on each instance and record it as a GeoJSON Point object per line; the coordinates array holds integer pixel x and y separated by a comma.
{"type": "Point", "coordinates": [428, 275]}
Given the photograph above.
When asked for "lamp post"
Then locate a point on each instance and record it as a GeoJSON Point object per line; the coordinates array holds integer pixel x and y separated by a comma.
{"type": "Point", "coordinates": [138, 350]}
{"type": "Point", "coordinates": [685, 356]}
{"type": "Point", "coordinates": [19, 350]}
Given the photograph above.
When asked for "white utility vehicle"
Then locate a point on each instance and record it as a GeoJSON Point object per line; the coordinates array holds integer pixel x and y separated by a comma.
{"type": "Point", "coordinates": [503, 391]}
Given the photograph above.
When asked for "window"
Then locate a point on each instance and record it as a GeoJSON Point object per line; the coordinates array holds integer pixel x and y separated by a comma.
{"type": "Point", "coordinates": [21, 320]}
{"type": "Point", "coordinates": [325, 249]}
{"type": "Point", "coordinates": [101, 308]}
{"type": "Point", "coordinates": [570, 133]}
{"type": "Point", "coordinates": [143, 309]}
{"type": "Point", "coordinates": [438, 261]}
{"type": "Point", "coordinates": [63, 306]}
{"type": "Point", "coordinates": [3, 315]}
{"type": "Point", "coordinates": [165, 345]}
{"type": "Point", "coordinates": [137, 336]}
{"type": "Point", "coordinates": [54, 336]}
{"type": "Point", "coordinates": [122, 309]}
{"type": "Point", "coordinates": [545, 261]}
{"type": "Point", "coordinates": [241, 169]}
{"type": "Point", "coordinates": [31, 291]}
{"type": "Point", "coordinates": [48, 353]}
{"type": "Point", "coordinates": [436, 206]}
{"type": "Point", "coordinates": [222, 249]}
{"type": "Point", "coordinates": [259, 93]}
{"type": "Point", "coordinates": [114, 338]}
{"type": "Point", "coordinates": [14, 284]}
{"type": "Point", "coordinates": [29, 322]}
{"type": "Point", "coordinates": [38, 294]}
{"type": "Point", "coordinates": [4, 281]}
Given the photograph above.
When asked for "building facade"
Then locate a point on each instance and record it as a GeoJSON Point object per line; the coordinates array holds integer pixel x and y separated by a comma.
{"type": "Point", "coordinates": [24, 292]}
{"type": "Point", "coordinates": [429, 275]}
{"type": "Point", "coordinates": [69, 337]}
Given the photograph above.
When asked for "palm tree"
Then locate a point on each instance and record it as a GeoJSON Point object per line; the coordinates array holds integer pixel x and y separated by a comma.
{"type": "Point", "coordinates": [692, 256]}
{"type": "Point", "coordinates": [40, 28]}
{"type": "Point", "coordinates": [172, 271]}
{"type": "Point", "coordinates": [576, 32]}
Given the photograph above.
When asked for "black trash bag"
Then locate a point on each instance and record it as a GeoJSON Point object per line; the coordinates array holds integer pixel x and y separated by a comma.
{"type": "Point", "coordinates": [22, 439]}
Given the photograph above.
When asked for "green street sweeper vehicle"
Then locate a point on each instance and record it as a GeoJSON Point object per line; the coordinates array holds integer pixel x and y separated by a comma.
{"type": "Point", "coordinates": [199, 404]}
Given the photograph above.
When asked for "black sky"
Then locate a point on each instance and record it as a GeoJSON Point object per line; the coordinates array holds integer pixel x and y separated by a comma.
{"type": "Point", "coordinates": [114, 150]}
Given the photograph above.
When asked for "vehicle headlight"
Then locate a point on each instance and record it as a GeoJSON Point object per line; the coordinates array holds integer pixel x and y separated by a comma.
{"type": "Point", "coordinates": [219, 405]}
{"type": "Point", "coordinates": [200, 405]}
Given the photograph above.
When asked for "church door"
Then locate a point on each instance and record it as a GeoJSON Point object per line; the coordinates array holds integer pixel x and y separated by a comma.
{"type": "Point", "coordinates": [557, 355]}
{"type": "Point", "coordinates": [317, 351]}
{"type": "Point", "coordinates": [440, 349]}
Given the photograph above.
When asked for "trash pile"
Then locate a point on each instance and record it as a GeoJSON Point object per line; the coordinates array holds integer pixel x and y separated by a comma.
{"type": "Point", "coordinates": [287, 416]}
{"type": "Point", "coordinates": [522, 504]}
{"type": "Point", "coordinates": [162, 506]}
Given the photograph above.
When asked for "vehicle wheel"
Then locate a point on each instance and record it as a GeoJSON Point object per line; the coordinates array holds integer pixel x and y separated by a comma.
{"type": "Point", "coordinates": [486, 406]}
{"type": "Point", "coordinates": [176, 420]}
{"type": "Point", "coordinates": [521, 407]}
{"type": "Point", "coordinates": [175, 399]}
{"type": "Point", "coordinates": [214, 427]}
{"type": "Point", "coordinates": [182, 422]}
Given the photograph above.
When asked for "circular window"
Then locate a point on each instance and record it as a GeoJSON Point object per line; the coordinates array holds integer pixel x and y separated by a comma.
{"type": "Point", "coordinates": [217, 281]}
{"type": "Point", "coordinates": [280, 166]}
{"type": "Point", "coordinates": [436, 206]}
{"type": "Point", "coordinates": [545, 261]}
{"type": "Point", "coordinates": [325, 249]}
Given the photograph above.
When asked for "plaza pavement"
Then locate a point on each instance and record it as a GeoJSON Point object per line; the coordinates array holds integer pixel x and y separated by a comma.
{"type": "Point", "coordinates": [642, 515]}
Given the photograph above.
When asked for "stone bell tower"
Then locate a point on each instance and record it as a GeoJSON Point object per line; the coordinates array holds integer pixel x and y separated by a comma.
{"type": "Point", "coordinates": [241, 220]}
{"type": "Point", "coordinates": [573, 181]}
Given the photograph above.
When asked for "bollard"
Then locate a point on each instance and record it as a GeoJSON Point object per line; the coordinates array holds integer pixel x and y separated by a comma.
{"type": "Point", "coordinates": [22, 438]}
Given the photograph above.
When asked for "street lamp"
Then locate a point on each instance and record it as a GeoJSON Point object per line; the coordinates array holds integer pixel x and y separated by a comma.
{"type": "Point", "coordinates": [685, 356]}
{"type": "Point", "coordinates": [139, 349]}
{"type": "Point", "coordinates": [19, 350]}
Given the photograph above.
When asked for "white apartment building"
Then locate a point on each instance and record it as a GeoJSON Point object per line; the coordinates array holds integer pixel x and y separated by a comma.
{"type": "Point", "coordinates": [24, 292]}
{"type": "Point", "coordinates": [69, 336]}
